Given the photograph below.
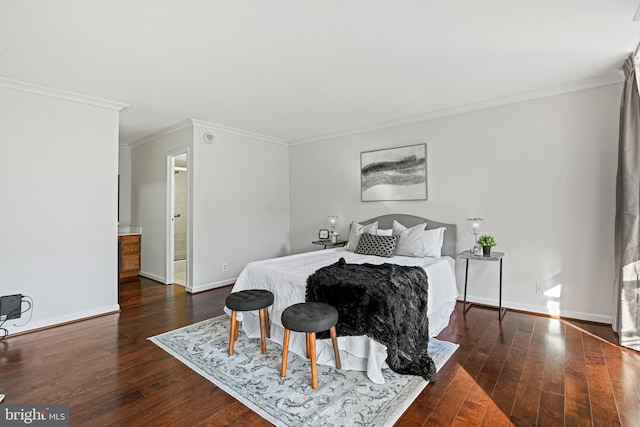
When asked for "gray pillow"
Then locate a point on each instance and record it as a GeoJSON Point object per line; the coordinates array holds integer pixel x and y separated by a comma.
{"type": "Point", "coordinates": [371, 244]}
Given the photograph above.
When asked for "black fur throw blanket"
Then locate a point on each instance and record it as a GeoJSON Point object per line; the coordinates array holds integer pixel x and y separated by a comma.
{"type": "Point", "coordinates": [386, 302]}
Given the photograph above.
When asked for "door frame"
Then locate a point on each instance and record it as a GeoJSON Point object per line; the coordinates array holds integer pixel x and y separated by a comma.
{"type": "Point", "coordinates": [170, 220]}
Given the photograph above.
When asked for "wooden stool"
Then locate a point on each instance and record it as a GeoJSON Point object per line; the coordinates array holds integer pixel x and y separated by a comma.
{"type": "Point", "coordinates": [309, 317]}
{"type": "Point", "coordinates": [249, 300]}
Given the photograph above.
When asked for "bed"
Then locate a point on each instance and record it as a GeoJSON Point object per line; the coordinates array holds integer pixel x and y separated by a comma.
{"type": "Point", "coordinates": [286, 277]}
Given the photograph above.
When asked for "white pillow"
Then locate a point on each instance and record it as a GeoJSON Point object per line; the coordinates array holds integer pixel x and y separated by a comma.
{"type": "Point", "coordinates": [384, 232]}
{"type": "Point", "coordinates": [356, 230]}
{"type": "Point", "coordinates": [411, 241]}
{"type": "Point", "coordinates": [418, 242]}
{"type": "Point", "coordinates": [433, 241]}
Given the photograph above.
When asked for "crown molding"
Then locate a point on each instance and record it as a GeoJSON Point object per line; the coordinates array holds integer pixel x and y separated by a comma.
{"type": "Point", "coordinates": [61, 94]}
{"type": "Point", "coordinates": [240, 132]}
{"type": "Point", "coordinates": [606, 80]}
{"type": "Point", "coordinates": [192, 123]}
{"type": "Point", "coordinates": [170, 130]}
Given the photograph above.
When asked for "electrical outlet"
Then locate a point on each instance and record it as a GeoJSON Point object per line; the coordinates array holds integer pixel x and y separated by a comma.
{"type": "Point", "coordinates": [538, 287]}
{"type": "Point", "coordinates": [224, 266]}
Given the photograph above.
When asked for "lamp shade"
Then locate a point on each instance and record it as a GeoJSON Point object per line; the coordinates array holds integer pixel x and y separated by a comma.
{"type": "Point", "coordinates": [332, 221]}
{"type": "Point", "coordinates": [474, 225]}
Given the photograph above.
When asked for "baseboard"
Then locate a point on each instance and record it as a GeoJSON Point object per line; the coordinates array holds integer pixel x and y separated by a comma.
{"type": "Point", "coordinates": [192, 289]}
{"type": "Point", "coordinates": [213, 285]}
{"type": "Point", "coordinates": [151, 276]}
{"type": "Point", "coordinates": [536, 309]}
{"type": "Point", "coordinates": [62, 320]}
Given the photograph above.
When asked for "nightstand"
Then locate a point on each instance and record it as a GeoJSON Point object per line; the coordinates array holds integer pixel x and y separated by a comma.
{"type": "Point", "coordinates": [329, 244]}
{"type": "Point", "coordinates": [495, 256]}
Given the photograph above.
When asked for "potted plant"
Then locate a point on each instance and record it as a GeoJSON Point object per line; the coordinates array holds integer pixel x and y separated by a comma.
{"type": "Point", "coordinates": [486, 241]}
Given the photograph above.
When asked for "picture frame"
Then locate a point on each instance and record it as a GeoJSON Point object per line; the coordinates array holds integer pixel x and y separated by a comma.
{"type": "Point", "coordinates": [394, 174]}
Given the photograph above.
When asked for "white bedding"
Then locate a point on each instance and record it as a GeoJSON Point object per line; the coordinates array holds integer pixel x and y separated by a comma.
{"type": "Point", "coordinates": [286, 277]}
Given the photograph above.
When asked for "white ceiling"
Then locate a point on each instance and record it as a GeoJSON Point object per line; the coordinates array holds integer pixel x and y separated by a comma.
{"type": "Point", "coordinates": [296, 70]}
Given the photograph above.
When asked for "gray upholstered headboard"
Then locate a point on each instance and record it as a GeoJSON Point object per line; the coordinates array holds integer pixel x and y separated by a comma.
{"type": "Point", "coordinates": [449, 246]}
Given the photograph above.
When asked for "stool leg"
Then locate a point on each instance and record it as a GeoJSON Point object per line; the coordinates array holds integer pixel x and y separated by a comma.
{"type": "Point", "coordinates": [334, 340]}
{"type": "Point", "coordinates": [266, 312]}
{"type": "Point", "coordinates": [285, 353]}
{"type": "Point", "coordinates": [314, 369]}
{"type": "Point", "coordinates": [263, 330]}
{"type": "Point", "coordinates": [232, 331]}
{"type": "Point", "coordinates": [308, 345]}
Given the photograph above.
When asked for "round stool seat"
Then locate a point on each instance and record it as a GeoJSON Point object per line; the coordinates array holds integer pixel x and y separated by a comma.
{"type": "Point", "coordinates": [252, 299]}
{"type": "Point", "coordinates": [309, 317]}
{"type": "Point", "coordinates": [249, 300]}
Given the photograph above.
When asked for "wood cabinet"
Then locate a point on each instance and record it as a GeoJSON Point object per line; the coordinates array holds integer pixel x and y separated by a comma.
{"type": "Point", "coordinates": [129, 255]}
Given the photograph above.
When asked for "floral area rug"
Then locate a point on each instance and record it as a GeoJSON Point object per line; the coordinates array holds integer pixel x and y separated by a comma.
{"type": "Point", "coordinates": [343, 398]}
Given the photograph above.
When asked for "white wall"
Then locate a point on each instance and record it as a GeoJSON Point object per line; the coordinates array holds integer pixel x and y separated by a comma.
{"type": "Point", "coordinates": [124, 194]}
{"type": "Point", "coordinates": [542, 173]}
{"type": "Point", "coordinates": [59, 206]}
{"type": "Point", "coordinates": [149, 196]}
{"type": "Point", "coordinates": [239, 202]}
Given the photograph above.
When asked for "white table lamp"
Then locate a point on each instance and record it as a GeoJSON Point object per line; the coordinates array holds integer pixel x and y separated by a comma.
{"type": "Point", "coordinates": [475, 225]}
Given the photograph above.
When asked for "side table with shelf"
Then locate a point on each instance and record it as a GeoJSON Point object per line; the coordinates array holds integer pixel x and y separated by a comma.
{"type": "Point", "coordinates": [329, 243]}
{"type": "Point", "coordinates": [495, 256]}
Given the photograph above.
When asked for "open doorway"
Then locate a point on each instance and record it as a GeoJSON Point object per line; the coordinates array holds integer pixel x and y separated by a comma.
{"type": "Point", "coordinates": [177, 253]}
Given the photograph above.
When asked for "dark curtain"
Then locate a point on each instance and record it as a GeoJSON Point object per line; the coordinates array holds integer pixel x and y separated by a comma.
{"type": "Point", "coordinates": [626, 312]}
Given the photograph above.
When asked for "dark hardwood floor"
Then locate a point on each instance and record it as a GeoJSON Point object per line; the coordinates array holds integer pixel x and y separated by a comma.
{"type": "Point", "coordinates": [526, 370]}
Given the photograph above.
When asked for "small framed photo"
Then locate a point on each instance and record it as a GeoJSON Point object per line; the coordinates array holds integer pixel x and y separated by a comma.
{"type": "Point", "coordinates": [323, 234]}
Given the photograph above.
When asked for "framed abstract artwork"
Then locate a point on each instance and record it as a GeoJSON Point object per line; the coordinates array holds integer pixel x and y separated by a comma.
{"type": "Point", "coordinates": [394, 174]}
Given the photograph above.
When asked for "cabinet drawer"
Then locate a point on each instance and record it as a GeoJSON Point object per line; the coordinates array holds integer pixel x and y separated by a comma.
{"type": "Point", "coordinates": [130, 249]}
{"type": "Point", "coordinates": [130, 262]}
{"type": "Point", "coordinates": [133, 239]}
